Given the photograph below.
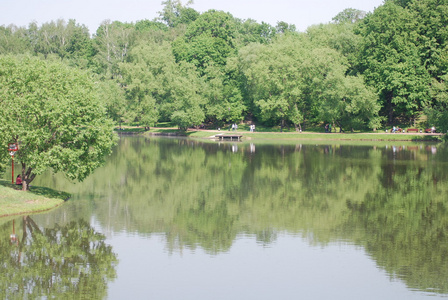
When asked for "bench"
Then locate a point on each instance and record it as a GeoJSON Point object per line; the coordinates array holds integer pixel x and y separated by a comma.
{"type": "Point", "coordinates": [429, 130]}
{"type": "Point", "coordinates": [413, 130]}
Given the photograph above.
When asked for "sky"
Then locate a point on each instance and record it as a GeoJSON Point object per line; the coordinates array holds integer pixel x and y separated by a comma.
{"type": "Point", "coordinates": [301, 13]}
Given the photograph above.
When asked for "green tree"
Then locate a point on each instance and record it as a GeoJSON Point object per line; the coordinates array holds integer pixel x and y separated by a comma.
{"type": "Point", "coordinates": [158, 88]}
{"type": "Point", "coordinates": [54, 114]}
{"type": "Point", "coordinates": [63, 40]}
{"type": "Point", "coordinates": [113, 96]}
{"type": "Point", "coordinates": [403, 3]}
{"type": "Point", "coordinates": [156, 32]}
{"type": "Point", "coordinates": [112, 42]}
{"type": "Point", "coordinates": [391, 60]}
{"type": "Point", "coordinates": [305, 82]}
{"type": "Point", "coordinates": [340, 37]}
{"type": "Point", "coordinates": [175, 13]}
{"type": "Point", "coordinates": [275, 85]}
{"type": "Point", "coordinates": [437, 113]}
{"type": "Point", "coordinates": [209, 40]}
{"type": "Point", "coordinates": [147, 26]}
{"type": "Point", "coordinates": [249, 31]}
{"type": "Point", "coordinates": [348, 102]}
{"type": "Point", "coordinates": [13, 40]}
{"type": "Point", "coordinates": [334, 96]}
{"type": "Point", "coordinates": [283, 27]}
{"type": "Point", "coordinates": [224, 100]}
{"type": "Point", "coordinates": [432, 16]}
{"type": "Point", "coordinates": [349, 15]}
{"type": "Point", "coordinates": [208, 44]}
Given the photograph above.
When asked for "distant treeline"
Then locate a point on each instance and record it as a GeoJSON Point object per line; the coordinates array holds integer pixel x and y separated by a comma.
{"type": "Point", "coordinates": [361, 71]}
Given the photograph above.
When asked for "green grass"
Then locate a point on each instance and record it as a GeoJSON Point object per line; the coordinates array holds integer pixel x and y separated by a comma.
{"type": "Point", "coordinates": [316, 136]}
{"type": "Point", "coordinates": [289, 134]}
{"type": "Point", "coordinates": [13, 201]}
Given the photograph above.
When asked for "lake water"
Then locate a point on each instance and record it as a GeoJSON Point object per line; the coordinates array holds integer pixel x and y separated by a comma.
{"type": "Point", "coordinates": [187, 219]}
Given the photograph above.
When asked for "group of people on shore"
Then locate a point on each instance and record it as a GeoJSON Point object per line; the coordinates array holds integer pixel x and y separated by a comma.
{"type": "Point", "coordinates": [398, 129]}
{"type": "Point", "coordinates": [235, 127]}
{"type": "Point", "coordinates": [329, 128]}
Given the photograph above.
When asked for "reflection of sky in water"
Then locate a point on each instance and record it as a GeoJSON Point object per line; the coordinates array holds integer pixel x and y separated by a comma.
{"type": "Point", "coordinates": [289, 269]}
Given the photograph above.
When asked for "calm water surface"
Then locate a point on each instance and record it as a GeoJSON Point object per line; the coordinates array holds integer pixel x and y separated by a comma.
{"type": "Point", "coordinates": [185, 219]}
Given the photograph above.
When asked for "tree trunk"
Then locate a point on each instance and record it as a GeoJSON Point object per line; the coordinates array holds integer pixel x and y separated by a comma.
{"type": "Point", "coordinates": [340, 127]}
{"type": "Point", "coordinates": [27, 177]}
{"type": "Point", "coordinates": [389, 107]}
{"type": "Point", "coordinates": [24, 186]}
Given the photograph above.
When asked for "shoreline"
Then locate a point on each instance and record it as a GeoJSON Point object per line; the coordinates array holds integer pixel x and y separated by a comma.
{"type": "Point", "coordinates": [305, 135]}
{"type": "Point", "coordinates": [14, 202]}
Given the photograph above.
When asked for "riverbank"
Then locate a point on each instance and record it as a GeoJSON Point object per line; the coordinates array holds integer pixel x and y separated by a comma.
{"type": "Point", "coordinates": [247, 135]}
{"type": "Point", "coordinates": [38, 199]}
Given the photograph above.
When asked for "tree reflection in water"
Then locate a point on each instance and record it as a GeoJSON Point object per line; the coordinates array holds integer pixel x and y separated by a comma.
{"type": "Point", "coordinates": [61, 262]}
{"type": "Point", "coordinates": [389, 200]}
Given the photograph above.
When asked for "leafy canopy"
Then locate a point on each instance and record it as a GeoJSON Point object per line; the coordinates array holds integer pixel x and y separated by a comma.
{"type": "Point", "coordinates": [54, 114]}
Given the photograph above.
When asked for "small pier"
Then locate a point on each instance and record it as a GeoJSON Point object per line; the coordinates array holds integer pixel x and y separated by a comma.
{"type": "Point", "coordinates": [229, 137]}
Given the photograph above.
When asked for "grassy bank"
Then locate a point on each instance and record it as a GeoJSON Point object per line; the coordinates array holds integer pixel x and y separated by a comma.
{"type": "Point", "coordinates": [15, 202]}
{"type": "Point", "coordinates": [263, 134]}
{"type": "Point", "coordinates": [417, 137]}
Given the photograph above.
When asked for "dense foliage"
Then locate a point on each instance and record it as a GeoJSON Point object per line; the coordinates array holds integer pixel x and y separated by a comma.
{"type": "Point", "coordinates": [52, 112]}
{"type": "Point", "coordinates": [361, 71]}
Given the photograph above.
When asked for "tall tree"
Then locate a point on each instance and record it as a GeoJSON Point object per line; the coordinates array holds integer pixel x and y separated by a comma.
{"type": "Point", "coordinates": [349, 15]}
{"type": "Point", "coordinates": [276, 85]}
{"type": "Point", "coordinates": [347, 102]}
{"type": "Point", "coordinates": [249, 31]}
{"type": "Point", "coordinates": [62, 40]}
{"type": "Point", "coordinates": [54, 114]}
{"type": "Point", "coordinates": [208, 41]}
{"type": "Point", "coordinates": [160, 89]}
{"type": "Point", "coordinates": [224, 100]}
{"type": "Point", "coordinates": [175, 13]}
{"type": "Point", "coordinates": [305, 82]}
{"type": "Point", "coordinates": [437, 112]}
{"type": "Point", "coordinates": [432, 17]}
{"type": "Point", "coordinates": [391, 61]}
{"type": "Point", "coordinates": [208, 44]}
{"type": "Point", "coordinates": [283, 27]}
{"type": "Point", "coordinates": [112, 42]}
{"type": "Point", "coordinates": [13, 40]}
{"type": "Point", "coordinates": [340, 37]}
{"type": "Point", "coordinates": [112, 94]}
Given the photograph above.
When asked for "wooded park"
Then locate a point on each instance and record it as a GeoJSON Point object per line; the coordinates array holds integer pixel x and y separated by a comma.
{"type": "Point", "coordinates": [360, 72]}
